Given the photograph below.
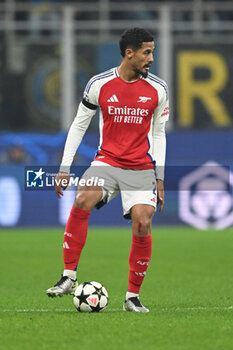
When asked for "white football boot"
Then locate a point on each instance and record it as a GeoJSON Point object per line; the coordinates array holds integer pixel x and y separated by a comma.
{"type": "Point", "coordinates": [133, 304]}
{"type": "Point", "coordinates": [65, 286]}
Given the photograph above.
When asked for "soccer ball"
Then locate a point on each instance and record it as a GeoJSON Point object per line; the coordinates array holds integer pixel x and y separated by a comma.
{"type": "Point", "coordinates": [90, 297]}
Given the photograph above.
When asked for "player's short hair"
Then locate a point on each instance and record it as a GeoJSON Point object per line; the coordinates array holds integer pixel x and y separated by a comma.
{"type": "Point", "coordinates": [134, 38]}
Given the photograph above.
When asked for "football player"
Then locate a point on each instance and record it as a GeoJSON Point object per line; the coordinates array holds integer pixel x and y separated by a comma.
{"type": "Point", "coordinates": [130, 158]}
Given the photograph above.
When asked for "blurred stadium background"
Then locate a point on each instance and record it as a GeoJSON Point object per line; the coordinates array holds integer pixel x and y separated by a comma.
{"type": "Point", "coordinates": [49, 50]}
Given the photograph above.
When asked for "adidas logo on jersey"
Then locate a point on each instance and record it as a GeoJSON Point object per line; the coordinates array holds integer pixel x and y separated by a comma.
{"type": "Point", "coordinates": [113, 98]}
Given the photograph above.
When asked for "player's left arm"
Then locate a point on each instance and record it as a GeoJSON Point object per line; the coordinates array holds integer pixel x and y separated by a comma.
{"type": "Point", "coordinates": [161, 115]}
{"type": "Point", "coordinates": [159, 147]}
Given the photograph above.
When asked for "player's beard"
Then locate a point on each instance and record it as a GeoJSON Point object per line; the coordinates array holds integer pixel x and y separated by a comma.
{"type": "Point", "coordinates": [139, 72]}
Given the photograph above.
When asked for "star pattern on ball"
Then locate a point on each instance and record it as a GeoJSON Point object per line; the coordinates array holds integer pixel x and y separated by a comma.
{"type": "Point", "coordinates": [87, 298]}
{"type": "Point", "coordinates": [99, 291]}
{"type": "Point", "coordinates": [83, 298]}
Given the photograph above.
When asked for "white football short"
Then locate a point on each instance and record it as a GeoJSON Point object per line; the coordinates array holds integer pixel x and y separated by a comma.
{"type": "Point", "coordinates": [135, 186]}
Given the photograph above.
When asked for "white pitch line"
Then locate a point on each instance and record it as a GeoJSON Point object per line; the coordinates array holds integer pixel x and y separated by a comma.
{"type": "Point", "coordinates": [197, 308]}
{"type": "Point", "coordinates": [37, 310]}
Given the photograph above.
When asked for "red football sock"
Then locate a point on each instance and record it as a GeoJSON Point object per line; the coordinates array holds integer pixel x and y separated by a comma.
{"type": "Point", "coordinates": [75, 237]}
{"type": "Point", "coordinates": [139, 259]}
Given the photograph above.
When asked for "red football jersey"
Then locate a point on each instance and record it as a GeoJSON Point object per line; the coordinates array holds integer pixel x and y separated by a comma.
{"type": "Point", "coordinates": [128, 113]}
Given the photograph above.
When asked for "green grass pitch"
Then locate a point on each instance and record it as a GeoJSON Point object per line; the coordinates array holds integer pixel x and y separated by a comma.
{"type": "Point", "coordinates": [188, 289]}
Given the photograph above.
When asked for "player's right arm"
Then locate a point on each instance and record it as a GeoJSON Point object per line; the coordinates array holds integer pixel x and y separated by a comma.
{"type": "Point", "coordinates": [86, 110]}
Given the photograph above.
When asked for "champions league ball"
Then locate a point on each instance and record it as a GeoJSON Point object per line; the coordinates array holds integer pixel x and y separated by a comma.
{"type": "Point", "coordinates": [90, 297]}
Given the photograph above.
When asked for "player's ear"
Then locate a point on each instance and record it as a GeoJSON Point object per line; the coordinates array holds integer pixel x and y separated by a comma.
{"type": "Point", "coordinates": [129, 53]}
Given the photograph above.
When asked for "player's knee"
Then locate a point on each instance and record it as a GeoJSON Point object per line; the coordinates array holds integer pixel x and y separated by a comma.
{"type": "Point", "coordinates": [86, 199]}
{"type": "Point", "coordinates": [143, 225]}
{"type": "Point", "coordinates": [81, 201]}
{"type": "Point", "coordinates": [142, 220]}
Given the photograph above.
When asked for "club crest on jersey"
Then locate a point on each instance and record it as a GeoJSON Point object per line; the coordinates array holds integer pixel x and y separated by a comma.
{"type": "Point", "coordinates": [143, 99]}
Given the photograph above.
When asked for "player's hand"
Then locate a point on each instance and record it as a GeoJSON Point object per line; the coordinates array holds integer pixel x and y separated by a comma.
{"type": "Point", "coordinates": [160, 194]}
{"type": "Point", "coordinates": [61, 183]}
